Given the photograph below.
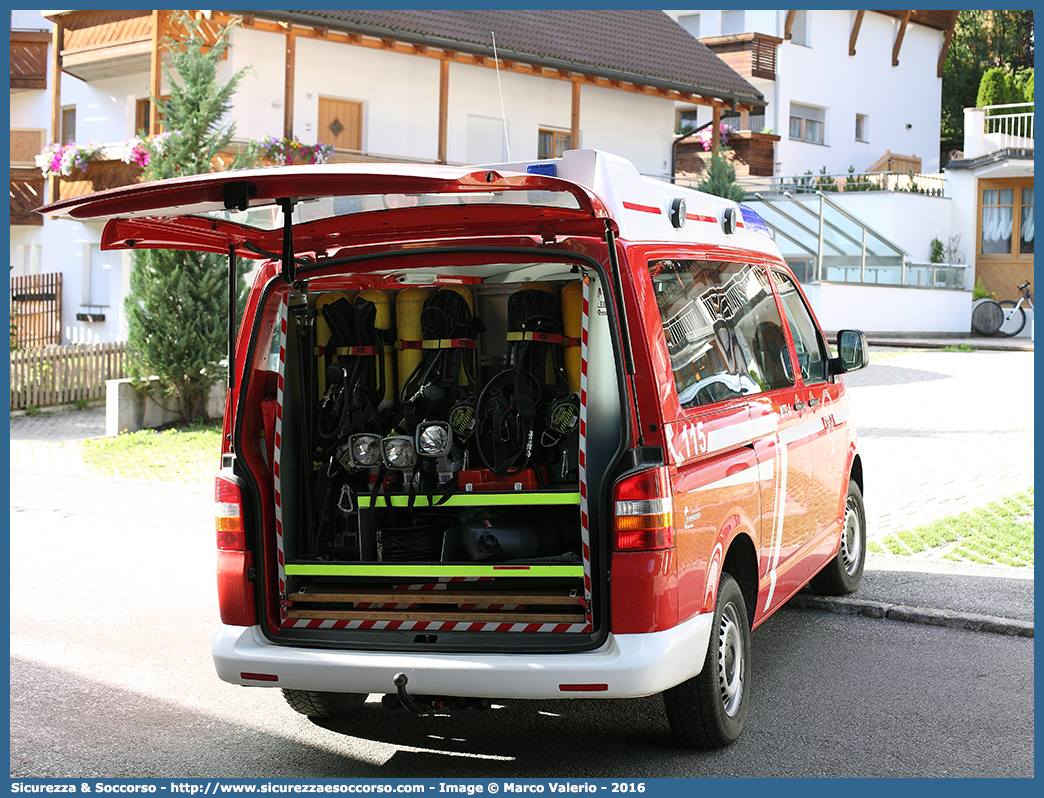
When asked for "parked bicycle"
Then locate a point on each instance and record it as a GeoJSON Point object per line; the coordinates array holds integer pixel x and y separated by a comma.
{"type": "Point", "coordinates": [1014, 314]}
{"type": "Point", "coordinates": [1007, 317]}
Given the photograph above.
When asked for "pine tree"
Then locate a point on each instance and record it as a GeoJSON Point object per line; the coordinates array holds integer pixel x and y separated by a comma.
{"type": "Point", "coordinates": [721, 178]}
{"type": "Point", "coordinates": [177, 304]}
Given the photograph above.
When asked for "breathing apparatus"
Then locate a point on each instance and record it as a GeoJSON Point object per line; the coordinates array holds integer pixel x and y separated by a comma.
{"type": "Point", "coordinates": [440, 391]}
{"type": "Point", "coordinates": [527, 409]}
{"type": "Point", "coordinates": [358, 386]}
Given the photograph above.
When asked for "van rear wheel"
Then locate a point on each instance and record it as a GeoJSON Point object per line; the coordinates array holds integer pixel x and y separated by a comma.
{"type": "Point", "coordinates": [315, 704]}
{"type": "Point", "coordinates": [710, 709]}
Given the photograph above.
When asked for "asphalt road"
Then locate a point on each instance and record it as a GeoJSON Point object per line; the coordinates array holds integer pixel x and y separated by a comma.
{"type": "Point", "coordinates": [113, 604]}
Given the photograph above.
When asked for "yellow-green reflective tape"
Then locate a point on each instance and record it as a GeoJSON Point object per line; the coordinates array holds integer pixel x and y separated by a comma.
{"type": "Point", "coordinates": [473, 500]}
{"type": "Point", "coordinates": [308, 569]}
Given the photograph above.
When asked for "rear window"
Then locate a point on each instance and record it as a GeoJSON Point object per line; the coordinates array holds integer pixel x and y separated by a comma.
{"type": "Point", "coordinates": [724, 333]}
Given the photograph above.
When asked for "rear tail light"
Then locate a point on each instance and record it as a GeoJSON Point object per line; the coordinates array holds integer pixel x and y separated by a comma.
{"type": "Point", "coordinates": [643, 518]}
{"type": "Point", "coordinates": [228, 515]}
{"type": "Point", "coordinates": [234, 584]}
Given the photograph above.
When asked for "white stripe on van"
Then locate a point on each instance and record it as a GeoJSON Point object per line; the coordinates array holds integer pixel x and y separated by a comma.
{"type": "Point", "coordinates": [780, 482]}
{"type": "Point", "coordinates": [748, 476]}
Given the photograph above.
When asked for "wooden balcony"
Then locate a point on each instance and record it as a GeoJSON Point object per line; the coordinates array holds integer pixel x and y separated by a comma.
{"type": "Point", "coordinates": [97, 176]}
{"type": "Point", "coordinates": [27, 194]}
{"type": "Point", "coordinates": [29, 59]}
{"type": "Point", "coordinates": [752, 154]}
{"type": "Point", "coordinates": [105, 44]}
{"type": "Point", "coordinates": [753, 55]}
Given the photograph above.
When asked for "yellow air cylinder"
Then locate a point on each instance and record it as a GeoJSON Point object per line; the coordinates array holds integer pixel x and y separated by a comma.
{"type": "Point", "coordinates": [383, 321]}
{"type": "Point", "coordinates": [572, 324]}
{"type": "Point", "coordinates": [549, 370]}
{"type": "Point", "coordinates": [464, 291]}
{"type": "Point", "coordinates": [323, 333]}
{"type": "Point", "coordinates": [409, 303]}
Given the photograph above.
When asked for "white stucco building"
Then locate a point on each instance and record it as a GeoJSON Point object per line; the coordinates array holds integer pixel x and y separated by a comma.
{"type": "Point", "coordinates": [423, 86]}
{"type": "Point", "coordinates": [847, 86]}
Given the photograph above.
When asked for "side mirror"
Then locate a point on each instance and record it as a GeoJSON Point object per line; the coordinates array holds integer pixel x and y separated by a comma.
{"type": "Point", "coordinates": [853, 352]}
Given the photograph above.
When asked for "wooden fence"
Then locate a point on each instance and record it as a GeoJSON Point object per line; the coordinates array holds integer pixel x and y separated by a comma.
{"type": "Point", "coordinates": [36, 310]}
{"type": "Point", "coordinates": [58, 375]}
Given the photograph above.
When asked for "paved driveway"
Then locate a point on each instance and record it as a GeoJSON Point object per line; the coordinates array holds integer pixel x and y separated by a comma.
{"type": "Point", "coordinates": [942, 432]}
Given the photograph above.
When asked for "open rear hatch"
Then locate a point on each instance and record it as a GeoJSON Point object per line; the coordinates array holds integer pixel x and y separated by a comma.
{"type": "Point", "coordinates": [412, 404]}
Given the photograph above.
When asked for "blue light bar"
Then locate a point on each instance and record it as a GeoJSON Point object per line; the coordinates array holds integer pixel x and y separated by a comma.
{"type": "Point", "coordinates": [546, 168]}
{"type": "Point", "coordinates": [752, 221]}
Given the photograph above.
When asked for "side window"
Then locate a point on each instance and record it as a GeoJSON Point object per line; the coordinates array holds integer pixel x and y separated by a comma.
{"type": "Point", "coordinates": [807, 340]}
{"type": "Point", "coordinates": [724, 333]}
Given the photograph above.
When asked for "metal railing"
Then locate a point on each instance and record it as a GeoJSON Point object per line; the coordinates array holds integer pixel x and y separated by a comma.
{"type": "Point", "coordinates": [1010, 126]}
{"type": "Point", "coordinates": [951, 276]}
{"type": "Point", "coordinates": [931, 185]}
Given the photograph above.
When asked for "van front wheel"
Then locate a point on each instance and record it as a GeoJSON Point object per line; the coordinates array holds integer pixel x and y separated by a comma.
{"type": "Point", "coordinates": [710, 709]}
{"type": "Point", "coordinates": [315, 704]}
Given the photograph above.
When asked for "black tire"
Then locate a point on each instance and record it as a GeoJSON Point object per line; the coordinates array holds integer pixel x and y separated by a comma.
{"type": "Point", "coordinates": [843, 574]}
{"type": "Point", "coordinates": [1014, 318]}
{"type": "Point", "coordinates": [986, 317]}
{"type": "Point", "coordinates": [710, 709]}
{"type": "Point", "coordinates": [324, 705]}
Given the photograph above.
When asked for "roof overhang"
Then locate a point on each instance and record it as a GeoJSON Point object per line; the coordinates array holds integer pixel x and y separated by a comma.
{"type": "Point", "coordinates": [506, 54]}
{"type": "Point", "coordinates": [1002, 163]}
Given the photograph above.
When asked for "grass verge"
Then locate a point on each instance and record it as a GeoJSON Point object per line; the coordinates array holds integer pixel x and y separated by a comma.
{"type": "Point", "coordinates": [1001, 533]}
{"type": "Point", "coordinates": [189, 454]}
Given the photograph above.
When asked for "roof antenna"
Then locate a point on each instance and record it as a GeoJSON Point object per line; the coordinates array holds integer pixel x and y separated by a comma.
{"type": "Point", "coordinates": [503, 115]}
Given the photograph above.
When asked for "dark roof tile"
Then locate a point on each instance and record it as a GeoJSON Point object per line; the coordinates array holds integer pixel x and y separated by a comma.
{"type": "Point", "coordinates": [644, 46]}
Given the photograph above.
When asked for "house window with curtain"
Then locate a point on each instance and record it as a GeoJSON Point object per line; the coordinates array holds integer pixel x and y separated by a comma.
{"type": "Point", "coordinates": [551, 143]}
{"type": "Point", "coordinates": [1026, 222]}
{"type": "Point", "coordinates": [860, 129]}
{"type": "Point", "coordinates": [1006, 221]}
{"type": "Point", "coordinates": [997, 220]}
{"type": "Point", "coordinates": [685, 120]}
{"type": "Point", "coordinates": [806, 123]}
{"type": "Point", "coordinates": [143, 115]}
{"type": "Point", "coordinates": [69, 125]}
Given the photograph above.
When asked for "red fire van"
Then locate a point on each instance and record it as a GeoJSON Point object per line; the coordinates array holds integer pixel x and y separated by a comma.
{"type": "Point", "coordinates": [532, 430]}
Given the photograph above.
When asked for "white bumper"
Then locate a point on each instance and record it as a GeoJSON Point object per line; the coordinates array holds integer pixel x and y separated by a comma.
{"type": "Point", "coordinates": [629, 665]}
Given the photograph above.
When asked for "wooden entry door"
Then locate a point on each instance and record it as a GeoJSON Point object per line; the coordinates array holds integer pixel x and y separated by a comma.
{"type": "Point", "coordinates": [340, 123]}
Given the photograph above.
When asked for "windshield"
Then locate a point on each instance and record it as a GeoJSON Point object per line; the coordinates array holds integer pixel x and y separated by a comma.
{"type": "Point", "coordinates": [270, 217]}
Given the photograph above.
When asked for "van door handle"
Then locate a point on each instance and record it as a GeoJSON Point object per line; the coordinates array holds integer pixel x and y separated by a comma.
{"type": "Point", "coordinates": [799, 405]}
{"type": "Point", "coordinates": [812, 402]}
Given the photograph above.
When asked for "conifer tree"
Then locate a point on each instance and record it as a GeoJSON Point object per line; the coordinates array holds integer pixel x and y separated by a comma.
{"type": "Point", "coordinates": [721, 178]}
{"type": "Point", "coordinates": [177, 304]}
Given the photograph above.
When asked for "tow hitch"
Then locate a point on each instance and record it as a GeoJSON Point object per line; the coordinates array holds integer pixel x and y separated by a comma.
{"type": "Point", "coordinates": [413, 706]}
{"type": "Point", "coordinates": [427, 705]}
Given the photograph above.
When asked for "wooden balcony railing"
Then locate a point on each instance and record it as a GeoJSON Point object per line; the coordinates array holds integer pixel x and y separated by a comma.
{"type": "Point", "coordinates": [753, 55]}
{"type": "Point", "coordinates": [101, 44]}
{"type": "Point", "coordinates": [29, 59]}
{"type": "Point", "coordinates": [97, 176]}
{"type": "Point", "coordinates": [27, 194]}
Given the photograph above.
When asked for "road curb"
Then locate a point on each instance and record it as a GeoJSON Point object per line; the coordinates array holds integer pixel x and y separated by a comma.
{"type": "Point", "coordinates": [900, 612]}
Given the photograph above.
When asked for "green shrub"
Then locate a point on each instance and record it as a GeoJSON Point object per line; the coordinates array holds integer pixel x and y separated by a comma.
{"type": "Point", "coordinates": [721, 178]}
{"type": "Point", "coordinates": [997, 88]}
{"type": "Point", "coordinates": [936, 255]}
{"type": "Point", "coordinates": [980, 292]}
